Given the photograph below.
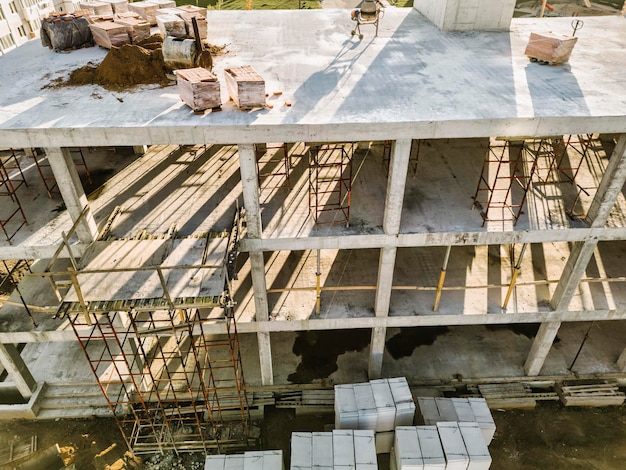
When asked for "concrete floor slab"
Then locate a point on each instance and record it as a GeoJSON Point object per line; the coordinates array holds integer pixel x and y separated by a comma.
{"type": "Point", "coordinates": [413, 80]}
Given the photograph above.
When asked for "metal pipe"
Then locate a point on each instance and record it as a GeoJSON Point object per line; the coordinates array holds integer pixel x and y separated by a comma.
{"type": "Point", "coordinates": [318, 290]}
{"type": "Point", "coordinates": [516, 271]}
{"type": "Point", "coordinates": [442, 277]}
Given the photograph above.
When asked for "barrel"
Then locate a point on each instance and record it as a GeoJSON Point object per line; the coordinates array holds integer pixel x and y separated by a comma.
{"type": "Point", "coordinates": [179, 53]}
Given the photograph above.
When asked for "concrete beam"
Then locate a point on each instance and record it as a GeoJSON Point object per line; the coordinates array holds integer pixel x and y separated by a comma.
{"type": "Point", "coordinates": [17, 370]}
{"type": "Point", "coordinates": [451, 238]}
{"type": "Point", "coordinates": [427, 319]}
{"type": "Point", "coordinates": [68, 182]}
{"type": "Point", "coordinates": [541, 347]}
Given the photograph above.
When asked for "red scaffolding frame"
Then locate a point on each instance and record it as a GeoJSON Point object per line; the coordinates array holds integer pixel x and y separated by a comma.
{"type": "Point", "coordinates": [330, 182]}
{"type": "Point", "coordinates": [11, 178]}
{"type": "Point", "coordinates": [169, 384]}
{"type": "Point", "coordinates": [507, 164]}
{"type": "Point", "coordinates": [273, 166]}
{"type": "Point", "coordinates": [416, 145]}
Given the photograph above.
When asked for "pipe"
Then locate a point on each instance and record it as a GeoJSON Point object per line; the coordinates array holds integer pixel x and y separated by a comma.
{"type": "Point", "coordinates": [442, 278]}
{"type": "Point", "coordinates": [516, 271]}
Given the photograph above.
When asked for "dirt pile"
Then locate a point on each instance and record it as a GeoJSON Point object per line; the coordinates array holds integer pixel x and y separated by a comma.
{"type": "Point", "coordinates": [126, 66]}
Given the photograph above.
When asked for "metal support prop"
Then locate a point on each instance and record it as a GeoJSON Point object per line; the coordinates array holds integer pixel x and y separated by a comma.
{"type": "Point", "coordinates": [318, 289]}
{"type": "Point", "coordinates": [516, 271]}
{"type": "Point", "coordinates": [442, 278]}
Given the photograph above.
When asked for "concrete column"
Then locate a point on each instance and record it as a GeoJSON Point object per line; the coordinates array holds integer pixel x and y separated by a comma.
{"type": "Point", "coordinates": [621, 361]}
{"type": "Point", "coordinates": [541, 347]}
{"type": "Point", "coordinates": [17, 370]}
{"type": "Point", "coordinates": [250, 184]}
{"type": "Point", "coordinates": [468, 15]}
{"type": "Point", "coordinates": [377, 350]}
{"type": "Point", "coordinates": [265, 358]}
{"type": "Point", "coordinates": [603, 202]}
{"type": "Point", "coordinates": [573, 272]}
{"type": "Point", "coordinates": [72, 192]}
{"type": "Point", "coordinates": [386, 266]}
{"type": "Point", "coordinates": [140, 149]}
{"type": "Point", "coordinates": [610, 187]}
{"type": "Point", "coordinates": [396, 182]}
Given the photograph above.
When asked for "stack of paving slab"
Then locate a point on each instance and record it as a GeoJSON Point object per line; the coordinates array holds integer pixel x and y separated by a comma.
{"type": "Point", "coordinates": [341, 449]}
{"type": "Point", "coordinates": [379, 405]}
{"type": "Point", "coordinates": [431, 411]}
{"type": "Point", "coordinates": [251, 460]}
{"type": "Point", "coordinates": [451, 446]}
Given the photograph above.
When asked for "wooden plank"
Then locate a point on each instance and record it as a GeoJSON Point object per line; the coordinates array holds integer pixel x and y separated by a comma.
{"type": "Point", "coordinates": [121, 254]}
{"type": "Point", "coordinates": [510, 403]}
{"type": "Point", "coordinates": [593, 401]}
{"type": "Point", "coordinates": [213, 280]}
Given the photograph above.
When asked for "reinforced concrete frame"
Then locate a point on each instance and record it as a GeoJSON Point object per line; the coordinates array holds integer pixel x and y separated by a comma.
{"type": "Point", "coordinates": [255, 244]}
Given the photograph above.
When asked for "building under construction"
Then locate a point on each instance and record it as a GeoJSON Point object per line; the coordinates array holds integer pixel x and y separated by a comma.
{"type": "Point", "coordinates": [426, 202]}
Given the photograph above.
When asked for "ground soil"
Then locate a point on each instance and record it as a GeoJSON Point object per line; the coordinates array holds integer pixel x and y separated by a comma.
{"type": "Point", "coordinates": [549, 437]}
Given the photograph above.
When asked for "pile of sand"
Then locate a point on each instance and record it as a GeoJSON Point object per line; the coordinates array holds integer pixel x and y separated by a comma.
{"type": "Point", "coordinates": [126, 66]}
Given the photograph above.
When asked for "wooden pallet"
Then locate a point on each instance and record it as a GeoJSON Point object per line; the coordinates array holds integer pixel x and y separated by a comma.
{"type": "Point", "coordinates": [598, 394]}
{"type": "Point", "coordinates": [307, 401]}
{"type": "Point", "coordinates": [17, 450]}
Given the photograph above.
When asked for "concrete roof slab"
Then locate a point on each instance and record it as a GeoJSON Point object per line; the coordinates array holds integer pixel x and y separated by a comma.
{"type": "Point", "coordinates": [411, 81]}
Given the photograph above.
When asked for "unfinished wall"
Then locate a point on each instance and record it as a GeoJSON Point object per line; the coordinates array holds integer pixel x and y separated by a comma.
{"type": "Point", "coordinates": [468, 15]}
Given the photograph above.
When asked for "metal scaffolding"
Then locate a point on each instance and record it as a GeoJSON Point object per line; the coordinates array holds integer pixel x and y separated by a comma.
{"type": "Point", "coordinates": [273, 166]}
{"type": "Point", "coordinates": [330, 182]}
{"type": "Point", "coordinates": [12, 216]}
{"type": "Point", "coordinates": [416, 145]}
{"type": "Point", "coordinates": [169, 385]}
{"type": "Point", "coordinates": [508, 165]}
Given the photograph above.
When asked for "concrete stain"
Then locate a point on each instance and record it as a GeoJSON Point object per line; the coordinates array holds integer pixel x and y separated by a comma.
{"type": "Point", "coordinates": [320, 349]}
{"type": "Point", "coordinates": [404, 343]}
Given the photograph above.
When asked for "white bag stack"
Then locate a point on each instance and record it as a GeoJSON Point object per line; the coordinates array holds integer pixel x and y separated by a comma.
{"type": "Point", "coordinates": [251, 460]}
{"type": "Point", "coordinates": [322, 458]}
{"type": "Point", "coordinates": [346, 411]}
{"type": "Point", "coordinates": [453, 446]}
{"type": "Point", "coordinates": [405, 406]}
{"type": "Point", "coordinates": [471, 410]}
{"type": "Point", "coordinates": [366, 406]}
{"type": "Point", "coordinates": [341, 449]}
{"type": "Point", "coordinates": [479, 458]}
{"type": "Point", "coordinates": [430, 445]}
{"type": "Point", "coordinates": [379, 405]}
{"type": "Point", "coordinates": [483, 417]}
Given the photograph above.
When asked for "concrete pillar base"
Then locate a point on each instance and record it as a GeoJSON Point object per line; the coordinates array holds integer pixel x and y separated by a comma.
{"type": "Point", "coordinates": [468, 15]}
{"type": "Point", "coordinates": [621, 362]}
{"type": "Point", "coordinates": [377, 351]}
{"type": "Point", "coordinates": [541, 347]}
{"type": "Point", "coordinates": [17, 370]}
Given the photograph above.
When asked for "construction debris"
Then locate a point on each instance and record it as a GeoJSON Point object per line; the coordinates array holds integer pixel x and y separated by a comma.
{"type": "Point", "coordinates": [126, 66]}
{"type": "Point", "coordinates": [62, 31]}
{"type": "Point", "coordinates": [550, 48]}
{"type": "Point", "coordinates": [595, 394]}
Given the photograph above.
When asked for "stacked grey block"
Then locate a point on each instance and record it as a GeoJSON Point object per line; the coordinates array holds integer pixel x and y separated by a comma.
{"type": "Point", "coordinates": [252, 460]}
{"type": "Point", "coordinates": [450, 446]}
{"type": "Point", "coordinates": [378, 405]}
{"type": "Point", "coordinates": [472, 410]}
{"type": "Point", "coordinates": [341, 449]}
